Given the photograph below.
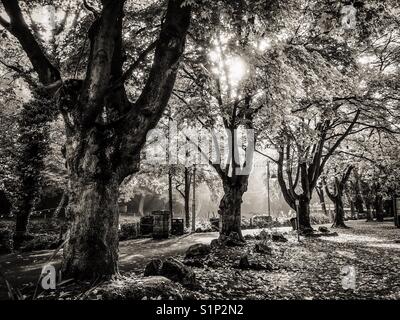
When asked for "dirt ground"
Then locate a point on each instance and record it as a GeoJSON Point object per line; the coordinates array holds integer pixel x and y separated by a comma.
{"type": "Point", "coordinates": [362, 262]}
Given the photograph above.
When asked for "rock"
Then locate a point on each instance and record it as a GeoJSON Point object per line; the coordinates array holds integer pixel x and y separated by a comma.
{"type": "Point", "coordinates": [198, 249]}
{"type": "Point", "coordinates": [153, 268]}
{"type": "Point", "coordinates": [263, 247]}
{"type": "Point", "coordinates": [278, 237]}
{"type": "Point", "coordinates": [244, 262]}
{"type": "Point", "coordinates": [323, 229]}
{"type": "Point", "coordinates": [178, 272]}
{"type": "Point", "coordinates": [198, 230]}
{"type": "Point", "coordinates": [257, 266]}
{"type": "Point", "coordinates": [198, 263]}
{"type": "Point", "coordinates": [138, 289]}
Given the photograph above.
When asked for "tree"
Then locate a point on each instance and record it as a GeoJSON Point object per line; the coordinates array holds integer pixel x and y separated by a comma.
{"type": "Point", "coordinates": [105, 131]}
{"type": "Point", "coordinates": [336, 196]}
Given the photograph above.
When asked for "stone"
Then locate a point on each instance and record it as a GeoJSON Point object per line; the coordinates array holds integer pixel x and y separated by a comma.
{"type": "Point", "coordinates": [263, 247]}
{"type": "Point", "coordinates": [245, 264]}
{"type": "Point", "coordinates": [278, 237]}
{"type": "Point", "coordinates": [198, 250]}
{"type": "Point", "coordinates": [323, 229]}
{"type": "Point", "coordinates": [153, 268]}
{"type": "Point", "coordinates": [178, 272]}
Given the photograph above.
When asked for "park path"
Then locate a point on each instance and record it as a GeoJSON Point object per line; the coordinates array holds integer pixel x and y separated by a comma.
{"type": "Point", "coordinates": [22, 268]}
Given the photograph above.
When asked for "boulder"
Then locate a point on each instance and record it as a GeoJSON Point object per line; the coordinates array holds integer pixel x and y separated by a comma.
{"type": "Point", "coordinates": [263, 247]}
{"type": "Point", "coordinates": [323, 229]}
{"type": "Point", "coordinates": [245, 264]}
{"type": "Point", "coordinates": [178, 272]}
{"type": "Point", "coordinates": [153, 268]}
{"type": "Point", "coordinates": [278, 237]}
{"type": "Point", "coordinates": [198, 250]}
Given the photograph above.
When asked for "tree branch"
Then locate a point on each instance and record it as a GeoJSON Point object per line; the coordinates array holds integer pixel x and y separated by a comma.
{"type": "Point", "coordinates": [18, 28]}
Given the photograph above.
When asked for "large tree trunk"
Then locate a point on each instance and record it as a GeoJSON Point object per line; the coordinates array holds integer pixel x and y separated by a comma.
{"type": "Point", "coordinates": [230, 205]}
{"type": "Point", "coordinates": [24, 207]}
{"type": "Point", "coordinates": [105, 131]}
{"type": "Point", "coordinates": [92, 249]}
{"type": "Point", "coordinates": [141, 205]}
{"type": "Point", "coordinates": [321, 196]}
{"type": "Point", "coordinates": [359, 204]}
{"type": "Point", "coordinates": [61, 205]}
{"type": "Point", "coordinates": [304, 214]}
{"type": "Point", "coordinates": [339, 212]}
{"type": "Point", "coordinates": [379, 208]}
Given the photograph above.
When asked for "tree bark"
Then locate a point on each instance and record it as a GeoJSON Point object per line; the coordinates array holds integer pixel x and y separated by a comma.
{"type": "Point", "coordinates": [105, 131]}
{"type": "Point", "coordinates": [337, 198]}
{"type": "Point", "coordinates": [379, 208]}
{"type": "Point", "coordinates": [339, 213]}
{"type": "Point", "coordinates": [141, 205]}
{"type": "Point", "coordinates": [304, 214]}
{"type": "Point", "coordinates": [25, 204]}
{"type": "Point", "coordinates": [321, 196]}
{"type": "Point", "coordinates": [92, 249]}
{"type": "Point", "coordinates": [230, 205]}
{"type": "Point", "coordinates": [61, 204]}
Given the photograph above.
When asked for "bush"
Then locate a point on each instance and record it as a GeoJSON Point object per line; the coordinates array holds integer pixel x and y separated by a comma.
{"type": "Point", "coordinates": [41, 242]}
{"type": "Point", "coordinates": [128, 231]}
{"type": "Point", "coordinates": [6, 241]}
